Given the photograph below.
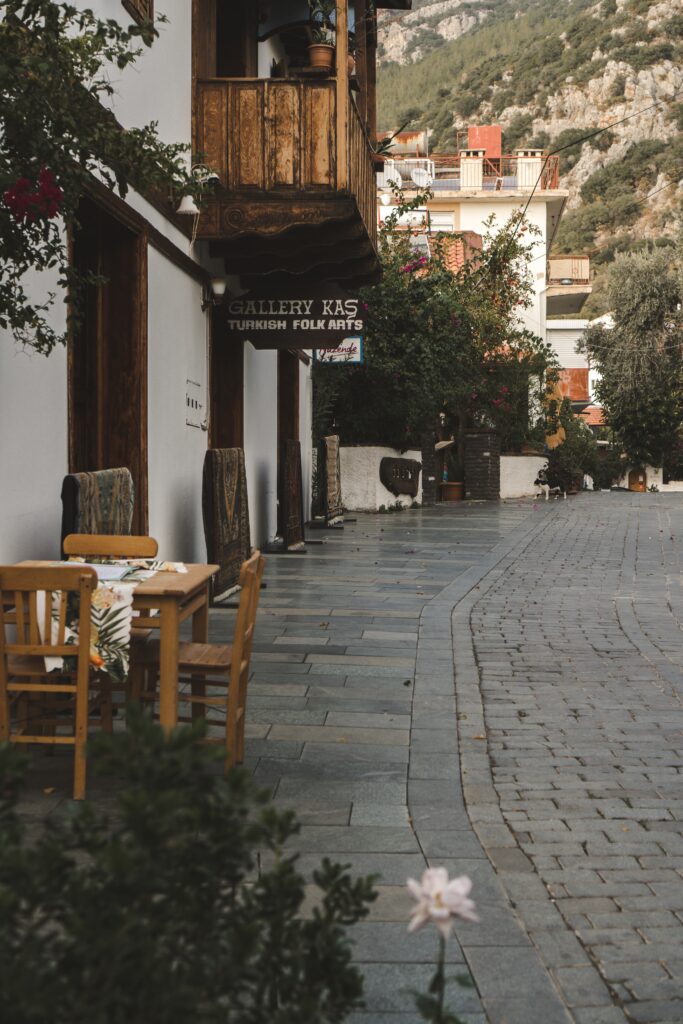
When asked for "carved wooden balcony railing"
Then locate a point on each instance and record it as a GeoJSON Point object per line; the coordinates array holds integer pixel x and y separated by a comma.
{"type": "Point", "coordinates": [297, 187]}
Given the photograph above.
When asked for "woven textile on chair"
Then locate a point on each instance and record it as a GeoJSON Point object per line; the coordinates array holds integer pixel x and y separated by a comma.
{"type": "Point", "coordinates": [100, 502]}
{"type": "Point", "coordinates": [225, 509]}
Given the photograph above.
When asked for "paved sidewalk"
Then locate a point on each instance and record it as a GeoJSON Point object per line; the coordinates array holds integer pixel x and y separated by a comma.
{"type": "Point", "coordinates": [353, 723]}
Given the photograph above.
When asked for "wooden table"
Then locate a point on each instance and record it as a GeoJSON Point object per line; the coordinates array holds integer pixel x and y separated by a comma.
{"type": "Point", "coordinates": [175, 596]}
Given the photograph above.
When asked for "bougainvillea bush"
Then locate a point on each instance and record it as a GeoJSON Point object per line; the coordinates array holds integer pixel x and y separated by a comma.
{"type": "Point", "coordinates": [58, 71]}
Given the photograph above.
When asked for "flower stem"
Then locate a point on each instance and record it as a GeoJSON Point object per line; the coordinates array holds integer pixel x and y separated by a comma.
{"type": "Point", "coordinates": [441, 978]}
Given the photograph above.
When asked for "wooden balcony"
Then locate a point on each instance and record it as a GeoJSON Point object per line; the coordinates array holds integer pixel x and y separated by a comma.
{"type": "Point", "coordinates": [568, 284]}
{"type": "Point", "coordinates": [297, 186]}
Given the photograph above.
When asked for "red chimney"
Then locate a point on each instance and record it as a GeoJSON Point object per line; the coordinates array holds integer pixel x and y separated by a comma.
{"type": "Point", "coordinates": [488, 137]}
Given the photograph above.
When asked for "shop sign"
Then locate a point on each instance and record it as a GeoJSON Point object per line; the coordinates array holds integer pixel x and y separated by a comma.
{"type": "Point", "coordinates": [310, 320]}
{"type": "Point", "coordinates": [350, 350]}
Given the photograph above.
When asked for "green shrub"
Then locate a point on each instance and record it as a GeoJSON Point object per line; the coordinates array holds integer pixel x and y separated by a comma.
{"type": "Point", "coordinates": [164, 915]}
{"type": "Point", "coordinates": [609, 467]}
{"type": "Point", "coordinates": [577, 454]}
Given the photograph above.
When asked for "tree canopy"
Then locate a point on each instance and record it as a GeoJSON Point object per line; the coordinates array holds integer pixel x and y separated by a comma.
{"type": "Point", "coordinates": [640, 359]}
{"type": "Point", "coordinates": [442, 343]}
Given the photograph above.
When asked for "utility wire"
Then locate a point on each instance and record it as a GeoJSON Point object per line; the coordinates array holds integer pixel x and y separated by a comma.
{"type": "Point", "coordinates": [639, 202]}
{"type": "Point", "coordinates": [580, 141]}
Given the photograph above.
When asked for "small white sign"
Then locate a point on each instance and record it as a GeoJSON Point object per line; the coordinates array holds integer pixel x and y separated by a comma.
{"type": "Point", "coordinates": [350, 350]}
{"type": "Point", "coordinates": [194, 407]}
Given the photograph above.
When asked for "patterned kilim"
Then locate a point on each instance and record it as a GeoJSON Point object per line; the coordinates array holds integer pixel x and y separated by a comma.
{"type": "Point", "coordinates": [292, 495]}
{"type": "Point", "coordinates": [226, 514]}
{"type": "Point", "coordinates": [100, 502]}
{"type": "Point", "coordinates": [331, 478]}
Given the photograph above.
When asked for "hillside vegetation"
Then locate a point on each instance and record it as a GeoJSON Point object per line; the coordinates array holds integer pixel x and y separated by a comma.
{"type": "Point", "coordinates": [552, 71]}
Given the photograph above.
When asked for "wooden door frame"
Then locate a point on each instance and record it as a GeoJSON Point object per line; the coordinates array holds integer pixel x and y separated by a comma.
{"type": "Point", "coordinates": [226, 387]}
{"type": "Point", "coordinates": [137, 227]}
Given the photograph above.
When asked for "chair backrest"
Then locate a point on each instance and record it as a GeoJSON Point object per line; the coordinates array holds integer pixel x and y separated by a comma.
{"type": "Point", "coordinates": [251, 574]}
{"type": "Point", "coordinates": [40, 625]}
{"type": "Point", "coordinates": [101, 545]}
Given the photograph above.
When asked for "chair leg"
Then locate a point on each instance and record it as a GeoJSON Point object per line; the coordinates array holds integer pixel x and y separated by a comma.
{"type": "Point", "coordinates": [136, 682]}
{"type": "Point", "coordinates": [231, 725]}
{"type": "Point", "coordinates": [80, 739]}
{"type": "Point", "coordinates": [4, 716]}
{"type": "Point", "coordinates": [198, 689]}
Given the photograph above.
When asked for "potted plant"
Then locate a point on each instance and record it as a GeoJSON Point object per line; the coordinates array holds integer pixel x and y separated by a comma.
{"type": "Point", "coordinates": [321, 49]}
{"type": "Point", "coordinates": [452, 485]}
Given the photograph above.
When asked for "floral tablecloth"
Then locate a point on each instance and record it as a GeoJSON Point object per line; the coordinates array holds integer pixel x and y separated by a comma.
{"type": "Point", "coordinates": [112, 617]}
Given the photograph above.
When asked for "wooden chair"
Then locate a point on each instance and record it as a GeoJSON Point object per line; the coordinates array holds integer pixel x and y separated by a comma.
{"type": "Point", "coordinates": [29, 694]}
{"type": "Point", "coordinates": [101, 545]}
{"type": "Point", "coordinates": [216, 665]}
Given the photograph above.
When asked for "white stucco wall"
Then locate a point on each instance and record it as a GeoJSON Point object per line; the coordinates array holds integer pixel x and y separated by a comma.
{"type": "Point", "coordinates": [656, 477]}
{"type": "Point", "coordinates": [176, 353]}
{"type": "Point", "coordinates": [473, 215]}
{"type": "Point", "coordinates": [158, 87]}
{"type": "Point", "coordinates": [517, 475]}
{"type": "Point", "coordinates": [361, 487]}
{"type": "Point", "coordinates": [34, 449]}
{"type": "Point", "coordinates": [260, 441]}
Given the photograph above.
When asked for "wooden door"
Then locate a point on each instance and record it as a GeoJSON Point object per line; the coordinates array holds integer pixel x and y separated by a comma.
{"type": "Point", "coordinates": [637, 480]}
{"type": "Point", "coordinates": [227, 389]}
{"type": "Point", "coordinates": [108, 353]}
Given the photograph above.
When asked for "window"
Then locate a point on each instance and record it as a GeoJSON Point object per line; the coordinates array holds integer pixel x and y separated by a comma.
{"type": "Point", "coordinates": [140, 10]}
{"type": "Point", "coordinates": [441, 221]}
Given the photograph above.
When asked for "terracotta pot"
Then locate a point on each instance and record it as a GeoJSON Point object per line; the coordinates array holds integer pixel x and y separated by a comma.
{"type": "Point", "coordinates": [321, 55]}
{"type": "Point", "coordinates": [452, 490]}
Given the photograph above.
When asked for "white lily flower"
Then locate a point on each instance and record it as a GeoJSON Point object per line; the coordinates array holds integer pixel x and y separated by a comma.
{"type": "Point", "coordinates": [440, 899]}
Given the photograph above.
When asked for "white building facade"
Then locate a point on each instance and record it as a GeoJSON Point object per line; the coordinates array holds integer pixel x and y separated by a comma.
{"type": "Point", "coordinates": [156, 381]}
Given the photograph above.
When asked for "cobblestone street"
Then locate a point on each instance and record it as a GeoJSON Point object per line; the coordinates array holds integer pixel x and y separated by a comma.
{"type": "Point", "coordinates": [495, 688]}
{"type": "Point", "coordinates": [579, 653]}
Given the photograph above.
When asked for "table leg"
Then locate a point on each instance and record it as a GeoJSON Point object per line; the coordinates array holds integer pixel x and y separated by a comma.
{"type": "Point", "coordinates": [200, 635]}
{"type": "Point", "coordinates": [168, 663]}
{"type": "Point", "coordinates": [200, 620]}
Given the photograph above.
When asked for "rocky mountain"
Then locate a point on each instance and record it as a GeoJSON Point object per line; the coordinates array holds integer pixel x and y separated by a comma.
{"type": "Point", "coordinates": [551, 72]}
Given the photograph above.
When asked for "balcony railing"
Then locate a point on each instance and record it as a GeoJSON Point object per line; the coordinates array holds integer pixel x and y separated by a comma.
{"type": "Point", "coordinates": [279, 137]}
{"type": "Point", "coordinates": [458, 173]}
{"type": "Point", "coordinates": [569, 270]}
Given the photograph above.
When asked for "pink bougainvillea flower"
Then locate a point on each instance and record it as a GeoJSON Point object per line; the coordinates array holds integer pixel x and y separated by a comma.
{"type": "Point", "coordinates": [440, 899]}
{"type": "Point", "coordinates": [29, 203]}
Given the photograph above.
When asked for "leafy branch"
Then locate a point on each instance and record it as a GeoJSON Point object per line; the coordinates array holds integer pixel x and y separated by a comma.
{"type": "Point", "coordinates": [57, 133]}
